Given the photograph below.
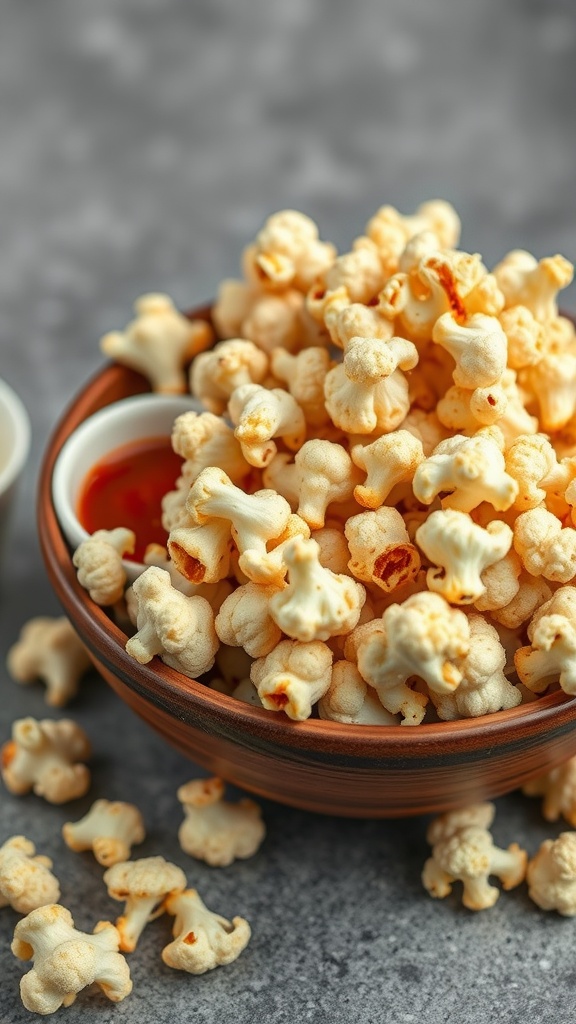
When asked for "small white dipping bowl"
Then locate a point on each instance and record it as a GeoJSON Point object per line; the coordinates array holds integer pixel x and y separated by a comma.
{"type": "Point", "coordinates": [132, 419]}
{"type": "Point", "coordinates": [14, 448]}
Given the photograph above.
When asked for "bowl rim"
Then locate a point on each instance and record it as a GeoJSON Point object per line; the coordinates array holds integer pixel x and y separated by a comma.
{"type": "Point", "coordinates": [176, 693]}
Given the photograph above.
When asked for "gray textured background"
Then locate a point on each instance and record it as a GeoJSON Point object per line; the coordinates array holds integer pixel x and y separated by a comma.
{"type": "Point", "coordinates": [143, 142]}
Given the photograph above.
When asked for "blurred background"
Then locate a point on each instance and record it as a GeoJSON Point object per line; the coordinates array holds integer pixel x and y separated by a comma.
{"type": "Point", "coordinates": [145, 141]}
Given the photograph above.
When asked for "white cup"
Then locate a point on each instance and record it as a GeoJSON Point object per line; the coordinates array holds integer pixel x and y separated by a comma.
{"type": "Point", "coordinates": [14, 448]}
{"type": "Point", "coordinates": [131, 419]}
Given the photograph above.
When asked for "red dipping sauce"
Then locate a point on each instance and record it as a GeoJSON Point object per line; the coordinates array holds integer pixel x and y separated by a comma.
{"type": "Point", "coordinates": [126, 489]}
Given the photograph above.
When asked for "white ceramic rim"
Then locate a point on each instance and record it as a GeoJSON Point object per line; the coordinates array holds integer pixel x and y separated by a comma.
{"type": "Point", "coordinates": [22, 436]}
{"type": "Point", "coordinates": [129, 420]}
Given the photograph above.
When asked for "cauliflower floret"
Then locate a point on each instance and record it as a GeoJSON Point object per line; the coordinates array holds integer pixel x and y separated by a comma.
{"type": "Point", "coordinates": [478, 347]}
{"type": "Point", "coordinates": [350, 700]}
{"type": "Point", "coordinates": [380, 549]}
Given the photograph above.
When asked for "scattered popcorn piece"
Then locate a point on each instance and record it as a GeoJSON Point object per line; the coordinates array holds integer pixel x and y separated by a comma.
{"type": "Point", "coordinates": [420, 637]}
{"type": "Point", "coordinates": [216, 830]}
{"type": "Point", "coordinates": [259, 415]}
{"type": "Point", "coordinates": [367, 391]}
{"type": "Point", "coordinates": [66, 960]}
{"type": "Point", "coordinates": [317, 603]}
{"type": "Point", "coordinates": [463, 851]}
{"type": "Point", "coordinates": [144, 884]}
{"type": "Point", "coordinates": [462, 550]}
{"type": "Point", "coordinates": [380, 549]}
{"type": "Point", "coordinates": [478, 346]}
{"type": "Point", "coordinates": [49, 649]}
{"type": "Point", "coordinates": [41, 757]}
{"type": "Point", "coordinates": [390, 460]}
{"type": "Point", "coordinates": [350, 700]}
{"type": "Point", "coordinates": [551, 653]}
{"type": "Point", "coordinates": [110, 829]}
{"type": "Point", "coordinates": [558, 787]}
{"type": "Point", "coordinates": [470, 469]}
{"type": "Point", "coordinates": [99, 564]}
{"type": "Point", "coordinates": [202, 939]}
{"type": "Point", "coordinates": [216, 374]}
{"type": "Point", "coordinates": [551, 875]}
{"type": "Point", "coordinates": [484, 687]}
{"type": "Point", "coordinates": [545, 547]}
{"type": "Point", "coordinates": [293, 677]}
{"type": "Point", "coordinates": [178, 628]}
{"type": "Point", "coordinates": [26, 881]}
{"type": "Point", "coordinates": [245, 620]}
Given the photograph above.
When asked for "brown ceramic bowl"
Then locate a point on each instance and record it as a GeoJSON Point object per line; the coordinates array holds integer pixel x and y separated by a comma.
{"type": "Point", "coordinates": [357, 771]}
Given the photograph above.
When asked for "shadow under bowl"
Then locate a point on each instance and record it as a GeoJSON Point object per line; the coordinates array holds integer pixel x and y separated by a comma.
{"type": "Point", "coordinates": [354, 771]}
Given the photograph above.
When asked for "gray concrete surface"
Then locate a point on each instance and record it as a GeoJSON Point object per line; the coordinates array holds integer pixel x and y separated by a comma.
{"type": "Point", "coordinates": [143, 143]}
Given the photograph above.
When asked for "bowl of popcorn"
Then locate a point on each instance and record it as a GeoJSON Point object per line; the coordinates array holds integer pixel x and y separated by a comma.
{"type": "Point", "coordinates": [362, 599]}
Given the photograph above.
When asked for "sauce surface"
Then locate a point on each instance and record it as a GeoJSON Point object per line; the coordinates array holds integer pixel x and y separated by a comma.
{"type": "Point", "coordinates": [126, 487]}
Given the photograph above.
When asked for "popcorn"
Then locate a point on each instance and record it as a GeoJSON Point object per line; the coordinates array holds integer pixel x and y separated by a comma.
{"type": "Point", "coordinates": [178, 628]}
{"type": "Point", "coordinates": [216, 830]}
{"type": "Point", "coordinates": [43, 756]}
{"type": "Point", "coordinates": [388, 436]}
{"type": "Point", "coordinates": [49, 649]}
{"type": "Point", "coordinates": [259, 415]}
{"type": "Point", "coordinates": [202, 939]}
{"type": "Point", "coordinates": [143, 886]}
{"type": "Point", "coordinates": [26, 881]}
{"type": "Point", "coordinates": [99, 564]}
{"type": "Point", "coordinates": [216, 374]}
{"type": "Point", "coordinates": [158, 342]}
{"type": "Point", "coordinates": [109, 829]}
{"type": "Point", "coordinates": [462, 550]}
